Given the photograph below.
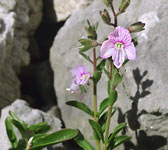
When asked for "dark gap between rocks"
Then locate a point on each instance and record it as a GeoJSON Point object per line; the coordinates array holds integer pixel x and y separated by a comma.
{"type": "Point", "coordinates": [37, 78]}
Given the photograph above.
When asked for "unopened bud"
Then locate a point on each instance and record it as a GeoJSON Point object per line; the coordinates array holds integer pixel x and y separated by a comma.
{"type": "Point", "coordinates": [91, 31]}
{"type": "Point", "coordinates": [105, 16]}
{"type": "Point", "coordinates": [136, 27]}
{"type": "Point", "coordinates": [108, 2]}
{"type": "Point", "coordinates": [123, 5]}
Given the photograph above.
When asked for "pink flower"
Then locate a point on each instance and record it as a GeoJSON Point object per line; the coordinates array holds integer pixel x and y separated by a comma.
{"type": "Point", "coordinates": [118, 46]}
{"type": "Point", "coordinates": [80, 76]}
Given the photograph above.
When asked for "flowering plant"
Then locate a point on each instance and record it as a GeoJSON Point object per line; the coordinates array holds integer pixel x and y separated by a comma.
{"type": "Point", "coordinates": [115, 52]}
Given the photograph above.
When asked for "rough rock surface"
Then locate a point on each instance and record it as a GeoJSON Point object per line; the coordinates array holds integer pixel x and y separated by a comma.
{"type": "Point", "coordinates": [64, 8]}
{"type": "Point", "coordinates": [18, 21]}
{"type": "Point", "coordinates": [30, 116]}
{"type": "Point", "coordinates": [143, 93]}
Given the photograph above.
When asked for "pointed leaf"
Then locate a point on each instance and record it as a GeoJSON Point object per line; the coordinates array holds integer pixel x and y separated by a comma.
{"type": "Point", "coordinates": [103, 118]}
{"type": "Point", "coordinates": [97, 129]}
{"type": "Point", "coordinates": [86, 57]}
{"type": "Point", "coordinates": [84, 49]}
{"type": "Point", "coordinates": [101, 65]}
{"type": "Point", "coordinates": [16, 119]}
{"type": "Point", "coordinates": [103, 106]}
{"type": "Point", "coordinates": [41, 127]}
{"type": "Point", "coordinates": [10, 132]}
{"type": "Point", "coordinates": [106, 72]}
{"type": "Point", "coordinates": [82, 142]}
{"type": "Point", "coordinates": [97, 76]}
{"type": "Point", "coordinates": [120, 140]}
{"type": "Point", "coordinates": [117, 80]}
{"type": "Point", "coordinates": [53, 138]}
{"type": "Point", "coordinates": [81, 106]}
{"type": "Point", "coordinates": [113, 97]}
{"type": "Point", "coordinates": [116, 131]}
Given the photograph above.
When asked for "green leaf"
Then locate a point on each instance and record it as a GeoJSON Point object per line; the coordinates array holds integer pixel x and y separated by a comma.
{"type": "Point", "coordinates": [82, 142]}
{"type": "Point", "coordinates": [97, 129]}
{"type": "Point", "coordinates": [20, 127]}
{"type": "Point", "coordinates": [81, 106]}
{"type": "Point", "coordinates": [108, 2]}
{"type": "Point", "coordinates": [117, 80]}
{"type": "Point", "coordinates": [135, 41]}
{"type": "Point", "coordinates": [116, 131]}
{"type": "Point", "coordinates": [22, 144]}
{"type": "Point", "coordinates": [125, 62]}
{"type": "Point", "coordinates": [96, 26]}
{"type": "Point", "coordinates": [118, 141]}
{"type": "Point", "coordinates": [84, 49]}
{"type": "Point", "coordinates": [41, 127]}
{"type": "Point", "coordinates": [103, 106]}
{"type": "Point", "coordinates": [101, 65]}
{"type": "Point", "coordinates": [16, 119]}
{"type": "Point", "coordinates": [103, 118]}
{"type": "Point", "coordinates": [85, 56]}
{"type": "Point", "coordinates": [106, 72]}
{"type": "Point", "coordinates": [102, 121]}
{"type": "Point", "coordinates": [97, 76]}
{"type": "Point", "coordinates": [87, 44]}
{"type": "Point", "coordinates": [53, 138]}
{"type": "Point", "coordinates": [10, 132]}
{"type": "Point", "coordinates": [113, 97]}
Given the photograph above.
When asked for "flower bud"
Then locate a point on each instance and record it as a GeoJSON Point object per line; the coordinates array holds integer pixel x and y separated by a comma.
{"type": "Point", "coordinates": [108, 2]}
{"type": "Point", "coordinates": [105, 16]}
{"type": "Point", "coordinates": [91, 31]}
{"type": "Point", "coordinates": [136, 27]}
{"type": "Point", "coordinates": [123, 5]}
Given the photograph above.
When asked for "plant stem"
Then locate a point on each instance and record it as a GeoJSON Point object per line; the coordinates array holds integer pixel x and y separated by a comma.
{"type": "Point", "coordinates": [109, 112]}
{"type": "Point", "coordinates": [115, 16]}
{"type": "Point", "coordinates": [107, 127]}
{"type": "Point", "coordinates": [94, 85]}
{"type": "Point", "coordinates": [95, 94]}
{"type": "Point", "coordinates": [111, 88]}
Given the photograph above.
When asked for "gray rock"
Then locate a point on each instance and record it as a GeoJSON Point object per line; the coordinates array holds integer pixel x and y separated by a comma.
{"type": "Point", "coordinates": [64, 8]}
{"type": "Point", "coordinates": [148, 99]}
{"type": "Point", "coordinates": [30, 116]}
{"type": "Point", "coordinates": [18, 22]}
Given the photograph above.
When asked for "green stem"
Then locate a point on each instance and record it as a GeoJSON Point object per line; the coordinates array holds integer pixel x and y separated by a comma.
{"type": "Point", "coordinates": [95, 95]}
{"type": "Point", "coordinates": [107, 127]}
{"type": "Point", "coordinates": [95, 101]}
{"type": "Point", "coordinates": [94, 85]}
{"type": "Point", "coordinates": [109, 112]}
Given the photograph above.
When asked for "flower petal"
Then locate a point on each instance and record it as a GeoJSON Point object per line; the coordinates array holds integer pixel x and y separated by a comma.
{"type": "Point", "coordinates": [106, 49]}
{"type": "Point", "coordinates": [119, 58]}
{"type": "Point", "coordinates": [120, 34]}
{"type": "Point", "coordinates": [130, 52]}
{"type": "Point", "coordinates": [74, 86]}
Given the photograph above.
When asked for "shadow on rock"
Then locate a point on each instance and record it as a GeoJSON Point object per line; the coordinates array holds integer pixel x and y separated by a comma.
{"type": "Point", "coordinates": [144, 142]}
